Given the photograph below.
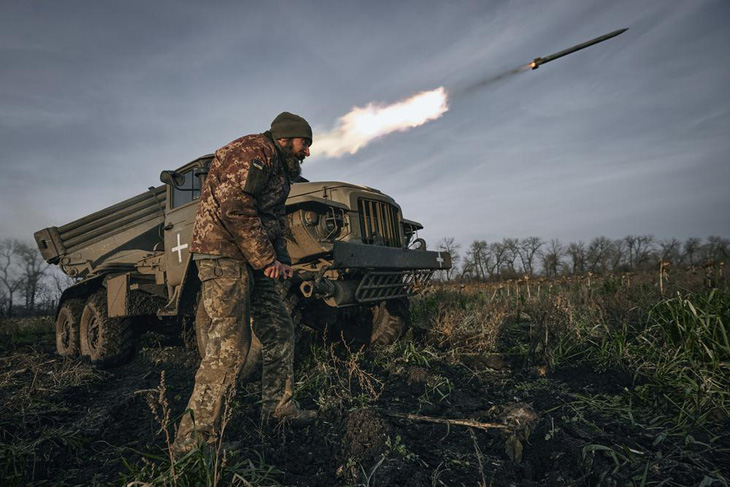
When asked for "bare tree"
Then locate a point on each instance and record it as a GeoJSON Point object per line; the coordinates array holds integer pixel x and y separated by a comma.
{"type": "Point", "coordinates": [498, 252]}
{"type": "Point", "coordinates": [448, 244]}
{"type": "Point", "coordinates": [3, 302]}
{"type": "Point", "coordinates": [511, 247]}
{"type": "Point", "coordinates": [60, 282]}
{"type": "Point", "coordinates": [671, 251]}
{"type": "Point", "coordinates": [8, 254]}
{"type": "Point", "coordinates": [478, 256]}
{"type": "Point", "coordinates": [617, 254]}
{"type": "Point", "coordinates": [577, 253]}
{"type": "Point", "coordinates": [644, 249]}
{"type": "Point", "coordinates": [691, 250]}
{"type": "Point", "coordinates": [552, 258]}
{"type": "Point", "coordinates": [631, 249]}
{"type": "Point", "coordinates": [527, 250]}
{"type": "Point", "coordinates": [718, 248]}
{"type": "Point", "coordinates": [598, 253]}
{"type": "Point", "coordinates": [32, 268]}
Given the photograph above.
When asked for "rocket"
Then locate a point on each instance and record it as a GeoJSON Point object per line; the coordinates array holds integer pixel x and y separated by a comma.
{"type": "Point", "coordinates": [552, 57]}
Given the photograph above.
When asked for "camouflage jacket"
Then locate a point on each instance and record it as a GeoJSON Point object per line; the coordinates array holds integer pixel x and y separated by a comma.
{"type": "Point", "coordinates": [242, 205]}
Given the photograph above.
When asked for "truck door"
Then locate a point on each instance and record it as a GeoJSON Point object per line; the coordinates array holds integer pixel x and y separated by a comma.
{"type": "Point", "coordinates": [182, 203]}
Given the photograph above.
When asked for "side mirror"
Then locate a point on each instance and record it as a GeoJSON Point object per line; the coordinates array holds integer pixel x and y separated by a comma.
{"type": "Point", "coordinates": [173, 178]}
{"type": "Point", "coordinates": [418, 244]}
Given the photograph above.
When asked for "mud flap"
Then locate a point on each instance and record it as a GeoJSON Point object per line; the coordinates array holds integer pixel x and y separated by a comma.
{"type": "Point", "coordinates": [117, 290]}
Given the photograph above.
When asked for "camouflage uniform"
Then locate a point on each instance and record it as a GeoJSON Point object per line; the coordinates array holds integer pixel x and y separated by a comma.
{"type": "Point", "coordinates": [241, 210]}
{"type": "Point", "coordinates": [239, 230]}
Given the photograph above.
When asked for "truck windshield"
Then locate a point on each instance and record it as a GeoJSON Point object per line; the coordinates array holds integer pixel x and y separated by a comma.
{"type": "Point", "coordinates": [188, 191]}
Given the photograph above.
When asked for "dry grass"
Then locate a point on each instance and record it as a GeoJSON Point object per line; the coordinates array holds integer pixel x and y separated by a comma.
{"type": "Point", "coordinates": [669, 329]}
{"type": "Point", "coordinates": [210, 464]}
{"type": "Point", "coordinates": [338, 378]}
{"type": "Point", "coordinates": [36, 325]}
{"type": "Point", "coordinates": [32, 374]}
{"type": "Point", "coordinates": [15, 332]}
{"type": "Point", "coordinates": [29, 379]}
{"type": "Point", "coordinates": [468, 330]}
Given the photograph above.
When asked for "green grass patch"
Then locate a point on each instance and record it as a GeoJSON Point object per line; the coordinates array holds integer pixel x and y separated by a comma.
{"type": "Point", "coordinates": [26, 331]}
{"type": "Point", "coordinates": [202, 466]}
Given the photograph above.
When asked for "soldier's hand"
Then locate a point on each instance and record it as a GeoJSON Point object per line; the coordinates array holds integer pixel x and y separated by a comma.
{"type": "Point", "coordinates": [277, 270]}
{"type": "Point", "coordinates": [288, 271]}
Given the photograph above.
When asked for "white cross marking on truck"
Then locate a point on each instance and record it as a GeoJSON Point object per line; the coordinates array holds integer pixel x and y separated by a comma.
{"type": "Point", "coordinates": [179, 248]}
{"type": "Point", "coordinates": [440, 260]}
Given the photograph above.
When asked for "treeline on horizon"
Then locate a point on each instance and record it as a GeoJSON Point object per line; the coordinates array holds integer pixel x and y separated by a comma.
{"type": "Point", "coordinates": [513, 258]}
{"type": "Point", "coordinates": [29, 286]}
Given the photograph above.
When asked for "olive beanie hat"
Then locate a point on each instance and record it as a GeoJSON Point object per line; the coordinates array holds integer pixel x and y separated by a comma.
{"type": "Point", "coordinates": [287, 125]}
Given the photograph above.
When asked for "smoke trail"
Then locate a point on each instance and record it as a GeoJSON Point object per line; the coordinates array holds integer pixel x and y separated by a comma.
{"type": "Point", "coordinates": [491, 81]}
{"type": "Point", "coordinates": [362, 125]}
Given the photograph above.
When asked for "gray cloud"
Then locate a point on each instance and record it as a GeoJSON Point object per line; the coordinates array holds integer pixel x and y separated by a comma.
{"type": "Point", "coordinates": [629, 136]}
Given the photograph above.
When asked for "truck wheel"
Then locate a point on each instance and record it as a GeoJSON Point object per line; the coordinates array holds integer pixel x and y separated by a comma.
{"type": "Point", "coordinates": [106, 341]}
{"type": "Point", "coordinates": [67, 327]}
{"type": "Point", "coordinates": [390, 319]}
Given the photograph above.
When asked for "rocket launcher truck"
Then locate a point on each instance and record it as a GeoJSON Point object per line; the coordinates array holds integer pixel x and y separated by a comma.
{"type": "Point", "coordinates": [356, 262]}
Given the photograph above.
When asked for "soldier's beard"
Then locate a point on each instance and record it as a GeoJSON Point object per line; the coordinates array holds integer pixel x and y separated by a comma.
{"type": "Point", "coordinates": [292, 163]}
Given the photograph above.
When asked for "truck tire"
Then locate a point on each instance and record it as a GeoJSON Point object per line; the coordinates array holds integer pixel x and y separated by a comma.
{"type": "Point", "coordinates": [106, 341]}
{"type": "Point", "coordinates": [390, 319]}
{"type": "Point", "coordinates": [68, 323]}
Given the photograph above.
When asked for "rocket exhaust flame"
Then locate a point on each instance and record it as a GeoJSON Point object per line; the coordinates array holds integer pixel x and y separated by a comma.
{"type": "Point", "coordinates": [362, 125]}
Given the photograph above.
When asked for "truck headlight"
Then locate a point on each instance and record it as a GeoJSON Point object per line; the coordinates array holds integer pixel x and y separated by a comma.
{"type": "Point", "coordinates": [331, 223]}
{"type": "Point", "coordinates": [311, 218]}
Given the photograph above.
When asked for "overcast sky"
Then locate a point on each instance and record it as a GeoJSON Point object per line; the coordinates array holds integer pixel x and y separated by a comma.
{"type": "Point", "coordinates": [628, 136]}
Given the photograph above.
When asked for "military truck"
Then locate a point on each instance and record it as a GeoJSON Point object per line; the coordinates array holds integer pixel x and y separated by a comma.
{"type": "Point", "coordinates": [356, 262]}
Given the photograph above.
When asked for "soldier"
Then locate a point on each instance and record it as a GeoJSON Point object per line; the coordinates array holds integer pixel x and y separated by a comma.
{"type": "Point", "coordinates": [239, 248]}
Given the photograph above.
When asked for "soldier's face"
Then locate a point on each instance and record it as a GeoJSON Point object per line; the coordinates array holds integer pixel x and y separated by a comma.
{"type": "Point", "coordinates": [298, 146]}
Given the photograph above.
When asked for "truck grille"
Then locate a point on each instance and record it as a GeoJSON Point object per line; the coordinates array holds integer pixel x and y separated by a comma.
{"type": "Point", "coordinates": [379, 224]}
{"type": "Point", "coordinates": [381, 285]}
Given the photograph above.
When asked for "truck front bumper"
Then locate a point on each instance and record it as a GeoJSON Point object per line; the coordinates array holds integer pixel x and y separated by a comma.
{"type": "Point", "coordinates": [374, 257]}
{"type": "Point", "coordinates": [390, 273]}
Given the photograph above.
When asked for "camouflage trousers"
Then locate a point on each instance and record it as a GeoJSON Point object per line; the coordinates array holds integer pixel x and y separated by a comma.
{"type": "Point", "coordinates": [232, 293]}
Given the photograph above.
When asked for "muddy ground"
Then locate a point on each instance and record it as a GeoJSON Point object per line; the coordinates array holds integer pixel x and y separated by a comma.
{"type": "Point", "coordinates": [64, 422]}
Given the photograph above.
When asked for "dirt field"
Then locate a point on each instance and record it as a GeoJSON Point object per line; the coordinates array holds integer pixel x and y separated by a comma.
{"type": "Point", "coordinates": [563, 416]}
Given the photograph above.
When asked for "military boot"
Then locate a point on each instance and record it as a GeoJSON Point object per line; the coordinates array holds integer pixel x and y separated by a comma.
{"type": "Point", "coordinates": [292, 415]}
{"type": "Point", "coordinates": [182, 446]}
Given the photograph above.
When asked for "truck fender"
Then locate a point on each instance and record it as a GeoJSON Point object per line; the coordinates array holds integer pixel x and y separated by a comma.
{"type": "Point", "coordinates": [82, 289]}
